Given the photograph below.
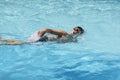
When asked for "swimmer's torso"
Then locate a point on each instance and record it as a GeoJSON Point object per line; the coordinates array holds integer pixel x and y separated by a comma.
{"type": "Point", "coordinates": [59, 38]}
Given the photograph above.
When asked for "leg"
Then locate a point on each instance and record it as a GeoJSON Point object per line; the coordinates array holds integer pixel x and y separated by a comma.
{"type": "Point", "coordinates": [11, 42]}
{"type": "Point", "coordinates": [0, 38]}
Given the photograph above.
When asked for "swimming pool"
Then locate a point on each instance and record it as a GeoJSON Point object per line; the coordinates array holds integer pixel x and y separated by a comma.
{"type": "Point", "coordinates": [96, 56]}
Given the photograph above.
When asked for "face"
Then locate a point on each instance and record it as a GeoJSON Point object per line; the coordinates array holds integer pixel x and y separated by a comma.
{"type": "Point", "coordinates": [75, 31]}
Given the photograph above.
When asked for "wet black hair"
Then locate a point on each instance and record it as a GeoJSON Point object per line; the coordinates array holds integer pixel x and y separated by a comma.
{"type": "Point", "coordinates": [81, 29]}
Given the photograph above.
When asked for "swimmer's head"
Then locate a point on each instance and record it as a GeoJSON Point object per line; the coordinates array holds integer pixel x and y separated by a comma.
{"type": "Point", "coordinates": [77, 30]}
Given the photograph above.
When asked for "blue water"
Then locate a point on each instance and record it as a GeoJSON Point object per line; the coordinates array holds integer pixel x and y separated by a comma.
{"type": "Point", "coordinates": [96, 56]}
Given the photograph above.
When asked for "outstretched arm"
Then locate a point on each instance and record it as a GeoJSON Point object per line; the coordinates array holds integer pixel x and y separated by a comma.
{"type": "Point", "coordinates": [59, 33]}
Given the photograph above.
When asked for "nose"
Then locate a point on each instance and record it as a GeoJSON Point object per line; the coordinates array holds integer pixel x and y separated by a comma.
{"type": "Point", "coordinates": [73, 32]}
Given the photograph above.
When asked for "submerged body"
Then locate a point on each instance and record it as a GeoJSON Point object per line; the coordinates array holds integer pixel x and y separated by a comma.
{"type": "Point", "coordinates": [39, 36]}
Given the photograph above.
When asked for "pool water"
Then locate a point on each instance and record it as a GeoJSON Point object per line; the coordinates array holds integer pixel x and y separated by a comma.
{"type": "Point", "coordinates": [96, 55]}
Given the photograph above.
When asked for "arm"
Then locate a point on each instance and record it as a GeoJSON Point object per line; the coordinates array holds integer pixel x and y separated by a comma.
{"type": "Point", "coordinates": [59, 33]}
